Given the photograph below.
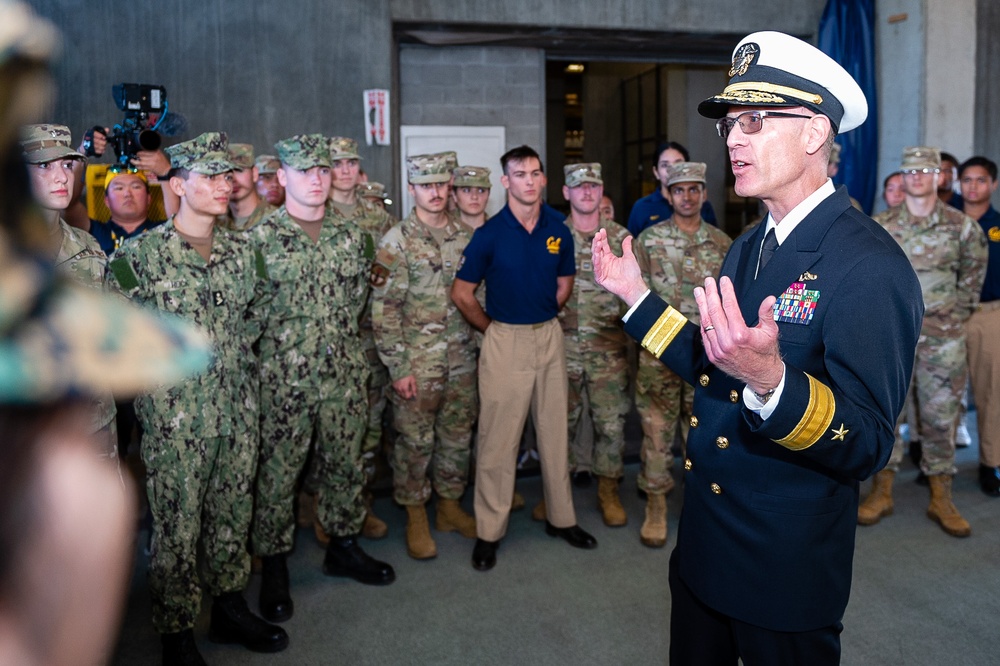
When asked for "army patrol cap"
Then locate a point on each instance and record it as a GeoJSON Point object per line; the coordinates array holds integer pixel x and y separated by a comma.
{"type": "Point", "coordinates": [304, 151]}
{"type": "Point", "coordinates": [46, 143]}
{"type": "Point", "coordinates": [772, 69]}
{"type": "Point", "coordinates": [59, 339]}
{"type": "Point", "coordinates": [920, 157]}
{"type": "Point", "coordinates": [342, 148]}
{"type": "Point", "coordinates": [433, 168]}
{"type": "Point", "coordinates": [450, 158]}
{"type": "Point", "coordinates": [585, 172]}
{"type": "Point", "coordinates": [471, 176]}
{"type": "Point", "coordinates": [206, 154]}
{"type": "Point", "coordinates": [267, 164]}
{"type": "Point", "coordinates": [686, 172]}
{"type": "Point", "coordinates": [241, 155]}
{"type": "Point", "coordinates": [373, 190]}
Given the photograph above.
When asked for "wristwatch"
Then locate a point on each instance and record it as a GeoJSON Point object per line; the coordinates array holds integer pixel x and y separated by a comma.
{"type": "Point", "coordinates": [763, 397]}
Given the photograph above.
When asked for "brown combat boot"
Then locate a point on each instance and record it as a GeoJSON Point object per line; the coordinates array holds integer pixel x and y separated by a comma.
{"type": "Point", "coordinates": [419, 544]}
{"type": "Point", "coordinates": [451, 518]}
{"type": "Point", "coordinates": [879, 500]}
{"type": "Point", "coordinates": [374, 527]}
{"type": "Point", "coordinates": [517, 501]}
{"type": "Point", "coordinates": [539, 513]}
{"type": "Point", "coordinates": [942, 510]}
{"type": "Point", "coordinates": [610, 502]}
{"type": "Point", "coordinates": [654, 528]}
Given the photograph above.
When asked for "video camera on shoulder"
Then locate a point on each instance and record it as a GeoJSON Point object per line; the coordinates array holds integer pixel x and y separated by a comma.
{"type": "Point", "coordinates": [145, 106]}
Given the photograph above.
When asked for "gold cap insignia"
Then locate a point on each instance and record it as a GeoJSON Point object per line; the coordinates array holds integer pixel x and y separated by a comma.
{"type": "Point", "coordinates": [743, 58]}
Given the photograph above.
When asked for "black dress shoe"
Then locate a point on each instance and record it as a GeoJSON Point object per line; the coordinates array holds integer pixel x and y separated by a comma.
{"type": "Point", "coordinates": [344, 557]}
{"type": "Point", "coordinates": [484, 555]}
{"type": "Point", "coordinates": [179, 649]}
{"type": "Point", "coordinates": [275, 601]}
{"type": "Point", "coordinates": [989, 480]}
{"type": "Point", "coordinates": [232, 622]}
{"type": "Point", "coordinates": [581, 479]}
{"type": "Point", "coordinates": [573, 535]}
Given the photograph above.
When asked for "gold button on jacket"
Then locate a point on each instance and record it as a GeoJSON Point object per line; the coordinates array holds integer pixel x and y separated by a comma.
{"type": "Point", "coordinates": [722, 442]}
{"type": "Point", "coordinates": [716, 488]}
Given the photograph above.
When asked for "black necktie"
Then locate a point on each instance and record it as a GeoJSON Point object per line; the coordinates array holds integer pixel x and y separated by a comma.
{"type": "Point", "coordinates": [767, 250]}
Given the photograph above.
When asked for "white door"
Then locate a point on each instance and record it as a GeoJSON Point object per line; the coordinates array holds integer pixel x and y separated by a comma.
{"type": "Point", "coordinates": [476, 146]}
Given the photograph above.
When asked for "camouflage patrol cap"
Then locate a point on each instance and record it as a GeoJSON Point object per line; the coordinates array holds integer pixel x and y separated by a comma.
{"type": "Point", "coordinates": [342, 148]}
{"type": "Point", "coordinates": [686, 172]}
{"type": "Point", "coordinates": [584, 172]}
{"type": "Point", "coordinates": [920, 157]}
{"type": "Point", "coordinates": [433, 168]}
{"type": "Point", "coordinates": [267, 164]}
{"type": "Point", "coordinates": [450, 158]}
{"type": "Point", "coordinates": [45, 143]}
{"type": "Point", "coordinates": [471, 176]}
{"type": "Point", "coordinates": [207, 154]}
{"type": "Point", "coordinates": [304, 151]}
{"type": "Point", "coordinates": [241, 155]}
{"type": "Point", "coordinates": [372, 189]}
{"type": "Point", "coordinates": [59, 339]}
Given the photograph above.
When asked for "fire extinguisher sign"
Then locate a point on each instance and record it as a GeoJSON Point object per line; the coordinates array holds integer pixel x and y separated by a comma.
{"type": "Point", "coordinates": [377, 117]}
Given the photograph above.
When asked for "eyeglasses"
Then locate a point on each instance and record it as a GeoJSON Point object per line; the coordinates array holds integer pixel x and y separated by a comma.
{"type": "Point", "coordinates": [750, 122]}
{"type": "Point", "coordinates": [925, 170]}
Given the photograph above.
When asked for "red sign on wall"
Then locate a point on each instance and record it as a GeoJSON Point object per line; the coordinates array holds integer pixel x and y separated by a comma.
{"type": "Point", "coordinates": [377, 117]}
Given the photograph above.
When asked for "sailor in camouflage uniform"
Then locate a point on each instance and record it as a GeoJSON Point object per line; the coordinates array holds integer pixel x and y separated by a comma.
{"type": "Point", "coordinates": [52, 165]}
{"type": "Point", "coordinates": [246, 207]}
{"type": "Point", "coordinates": [313, 375]}
{"type": "Point", "coordinates": [200, 437]}
{"type": "Point", "coordinates": [596, 346]}
{"type": "Point", "coordinates": [947, 249]}
{"type": "Point", "coordinates": [268, 187]}
{"type": "Point", "coordinates": [431, 355]}
{"type": "Point", "coordinates": [675, 257]}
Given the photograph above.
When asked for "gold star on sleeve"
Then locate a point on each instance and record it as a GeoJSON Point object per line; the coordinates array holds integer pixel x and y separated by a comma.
{"type": "Point", "coordinates": [839, 434]}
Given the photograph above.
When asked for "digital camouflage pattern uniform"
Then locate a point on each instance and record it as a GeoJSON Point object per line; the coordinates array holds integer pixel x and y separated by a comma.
{"type": "Point", "coordinates": [420, 332]}
{"type": "Point", "coordinates": [673, 263]}
{"type": "Point", "coordinates": [948, 252]}
{"type": "Point", "coordinates": [241, 155]}
{"type": "Point", "coordinates": [374, 221]}
{"type": "Point", "coordinates": [199, 437]}
{"type": "Point", "coordinates": [596, 354]}
{"type": "Point", "coordinates": [313, 369]}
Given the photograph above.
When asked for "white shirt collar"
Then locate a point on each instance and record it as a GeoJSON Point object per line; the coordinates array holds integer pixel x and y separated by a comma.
{"type": "Point", "coordinates": [799, 213]}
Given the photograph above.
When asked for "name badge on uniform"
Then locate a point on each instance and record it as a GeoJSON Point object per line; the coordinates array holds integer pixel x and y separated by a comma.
{"type": "Point", "coordinates": [586, 266]}
{"type": "Point", "coordinates": [797, 305]}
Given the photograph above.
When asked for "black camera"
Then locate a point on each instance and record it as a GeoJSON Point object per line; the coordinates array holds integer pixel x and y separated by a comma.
{"type": "Point", "coordinates": [139, 101]}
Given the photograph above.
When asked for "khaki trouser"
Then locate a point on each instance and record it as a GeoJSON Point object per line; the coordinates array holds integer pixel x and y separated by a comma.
{"type": "Point", "coordinates": [522, 368]}
{"type": "Point", "coordinates": [984, 368]}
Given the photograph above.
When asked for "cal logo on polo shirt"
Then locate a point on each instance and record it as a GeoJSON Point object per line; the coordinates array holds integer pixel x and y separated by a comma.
{"type": "Point", "coordinates": [553, 244]}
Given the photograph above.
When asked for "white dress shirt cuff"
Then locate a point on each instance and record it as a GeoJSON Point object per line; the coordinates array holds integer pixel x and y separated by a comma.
{"type": "Point", "coordinates": [636, 305]}
{"type": "Point", "coordinates": [756, 406]}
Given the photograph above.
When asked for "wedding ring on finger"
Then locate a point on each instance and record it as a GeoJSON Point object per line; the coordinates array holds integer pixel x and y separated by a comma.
{"type": "Point", "coordinates": [709, 328]}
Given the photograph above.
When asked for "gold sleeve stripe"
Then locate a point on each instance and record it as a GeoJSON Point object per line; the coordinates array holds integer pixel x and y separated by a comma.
{"type": "Point", "coordinates": [774, 88]}
{"type": "Point", "coordinates": [663, 332]}
{"type": "Point", "coordinates": [817, 418]}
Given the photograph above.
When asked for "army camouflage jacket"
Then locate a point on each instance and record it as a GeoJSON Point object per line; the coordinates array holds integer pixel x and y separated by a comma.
{"type": "Point", "coordinates": [228, 297]}
{"type": "Point", "coordinates": [674, 262]}
{"type": "Point", "coordinates": [418, 329]}
{"type": "Point", "coordinates": [231, 223]}
{"type": "Point", "coordinates": [591, 318]}
{"type": "Point", "coordinates": [321, 291]}
{"type": "Point", "coordinates": [948, 252]}
{"type": "Point", "coordinates": [81, 258]}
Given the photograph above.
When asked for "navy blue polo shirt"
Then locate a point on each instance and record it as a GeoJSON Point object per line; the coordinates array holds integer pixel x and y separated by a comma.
{"type": "Point", "coordinates": [520, 269]}
{"type": "Point", "coordinates": [110, 235]}
{"type": "Point", "coordinates": [990, 222]}
{"type": "Point", "coordinates": [655, 208]}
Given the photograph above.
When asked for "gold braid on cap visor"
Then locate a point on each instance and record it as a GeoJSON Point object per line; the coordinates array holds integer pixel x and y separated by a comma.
{"type": "Point", "coordinates": [761, 87]}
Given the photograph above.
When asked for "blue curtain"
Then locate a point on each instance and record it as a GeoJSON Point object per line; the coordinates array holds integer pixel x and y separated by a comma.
{"type": "Point", "coordinates": [847, 34]}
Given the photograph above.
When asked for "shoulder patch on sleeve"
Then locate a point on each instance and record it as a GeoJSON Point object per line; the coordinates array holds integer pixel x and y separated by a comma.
{"type": "Point", "coordinates": [385, 263]}
{"type": "Point", "coordinates": [258, 259]}
{"type": "Point", "coordinates": [123, 272]}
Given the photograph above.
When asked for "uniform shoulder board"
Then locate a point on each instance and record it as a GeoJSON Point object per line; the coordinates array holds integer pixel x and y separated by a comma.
{"type": "Point", "coordinates": [122, 270]}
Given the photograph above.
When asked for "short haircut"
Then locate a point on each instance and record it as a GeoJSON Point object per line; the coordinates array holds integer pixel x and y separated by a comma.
{"type": "Point", "coordinates": [979, 161]}
{"type": "Point", "coordinates": [178, 172]}
{"type": "Point", "coordinates": [948, 157]}
{"type": "Point", "coordinates": [885, 183]}
{"type": "Point", "coordinates": [667, 145]}
{"type": "Point", "coordinates": [519, 154]}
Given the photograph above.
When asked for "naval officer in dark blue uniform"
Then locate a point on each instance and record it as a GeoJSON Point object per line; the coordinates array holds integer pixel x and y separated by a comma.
{"type": "Point", "coordinates": [800, 369]}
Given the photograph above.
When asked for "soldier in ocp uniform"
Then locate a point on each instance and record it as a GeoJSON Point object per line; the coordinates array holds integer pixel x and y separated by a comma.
{"type": "Point", "coordinates": [470, 190]}
{"type": "Point", "coordinates": [200, 438]}
{"type": "Point", "coordinates": [596, 346]}
{"type": "Point", "coordinates": [268, 187]}
{"type": "Point", "coordinates": [314, 375]}
{"type": "Point", "coordinates": [51, 168]}
{"type": "Point", "coordinates": [430, 351]}
{"type": "Point", "coordinates": [675, 257]}
{"type": "Point", "coordinates": [374, 193]}
{"type": "Point", "coordinates": [246, 207]}
{"type": "Point", "coordinates": [948, 252]}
